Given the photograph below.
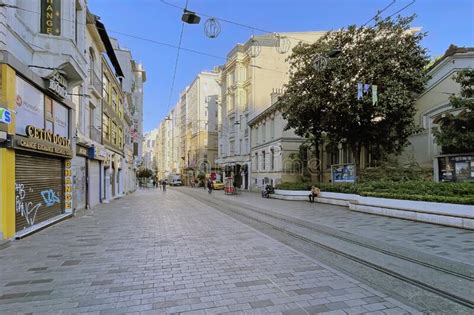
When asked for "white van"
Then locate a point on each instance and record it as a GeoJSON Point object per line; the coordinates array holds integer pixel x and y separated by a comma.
{"type": "Point", "coordinates": [174, 180]}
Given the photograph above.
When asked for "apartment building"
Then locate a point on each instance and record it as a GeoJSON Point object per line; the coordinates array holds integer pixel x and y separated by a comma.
{"type": "Point", "coordinates": [251, 72]}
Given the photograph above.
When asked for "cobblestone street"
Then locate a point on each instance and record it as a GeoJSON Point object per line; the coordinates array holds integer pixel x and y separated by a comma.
{"type": "Point", "coordinates": [154, 252]}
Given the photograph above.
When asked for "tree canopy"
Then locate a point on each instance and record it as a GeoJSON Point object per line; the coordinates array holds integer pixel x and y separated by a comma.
{"type": "Point", "coordinates": [323, 103]}
{"type": "Point", "coordinates": [456, 131]}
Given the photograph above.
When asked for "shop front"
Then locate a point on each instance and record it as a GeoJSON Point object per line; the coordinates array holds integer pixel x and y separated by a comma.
{"type": "Point", "coordinates": [41, 186]}
{"type": "Point", "coordinates": [42, 152]}
{"type": "Point", "coordinates": [80, 174]}
{"type": "Point", "coordinates": [97, 155]}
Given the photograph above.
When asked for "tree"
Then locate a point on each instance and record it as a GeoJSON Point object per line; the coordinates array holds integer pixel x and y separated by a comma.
{"type": "Point", "coordinates": [145, 173]}
{"type": "Point", "coordinates": [456, 131]}
{"type": "Point", "coordinates": [322, 104]}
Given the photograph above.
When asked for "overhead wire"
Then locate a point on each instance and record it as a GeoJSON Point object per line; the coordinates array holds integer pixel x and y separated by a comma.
{"type": "Point", "coordinates": [232, 22]}
{"type": "Point", "coordinates": [379, 12]}
{"type": "Point", "coordinates": [175, 66]}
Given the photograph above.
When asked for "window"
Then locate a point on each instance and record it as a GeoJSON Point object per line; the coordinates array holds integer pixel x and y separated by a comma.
{"type": "Point", "coordinates": [49, 108]}
{"type": "Point", "coordinates": [91, 65]}
{"type": "Point", "coordinates": [114, 100]}
{"type": "Point", "coordinates": [231, 148]}
{"type": "Point", "coordinates": [241, 149]}
{"type": "Point", "coordinates": [263, 160]}
{"type": "Point", "coordinates": [120, 107]}
{"type": "Point", "coordinates": [256, 162]}
{"type": "Point", "coordinates": [332, 156]}
{"type": "Point", "coordinates": [264, 131]}
{"type": "Point", "coordinates": [272, 159]}
{"type": "Point", "coordinates": [272, 128]}
{"type": "Point", "coordinates": [105, 127]}
{"type": "Point", "coordinates": [114, 133]}
{"type": "Point", "coordinates": [105, 89]}
{"type": "Point", "coordinates": [120, 137]}
{"type": "Point", "coordinates": [346, 154]}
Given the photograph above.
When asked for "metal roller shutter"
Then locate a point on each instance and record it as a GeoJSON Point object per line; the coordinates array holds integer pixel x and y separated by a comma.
{"type": "Point", "coordinates": [39, 191]}
{"type": "Point", "coordinates": [94, 183]}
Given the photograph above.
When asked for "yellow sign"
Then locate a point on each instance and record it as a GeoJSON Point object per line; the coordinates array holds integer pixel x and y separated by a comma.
{"type": "Point", "coordinates": [68, 185]}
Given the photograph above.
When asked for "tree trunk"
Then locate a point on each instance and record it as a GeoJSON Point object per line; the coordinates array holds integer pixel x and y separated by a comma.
{"type": "Point", "coordinates": [356, 151]}
{"type": "Point", "coordinates": [317, 154]}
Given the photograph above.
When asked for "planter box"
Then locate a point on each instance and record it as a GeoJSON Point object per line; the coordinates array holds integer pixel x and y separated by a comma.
{"type": "Point", "coordinates": [456, 215]}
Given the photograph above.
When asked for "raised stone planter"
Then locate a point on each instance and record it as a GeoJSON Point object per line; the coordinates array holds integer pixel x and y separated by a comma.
{"type": "Point", "coordinates": [461, 216]}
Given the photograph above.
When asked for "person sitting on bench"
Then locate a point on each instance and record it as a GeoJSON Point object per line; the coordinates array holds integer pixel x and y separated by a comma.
{"type": "Point", "coordinates": [315, 192]}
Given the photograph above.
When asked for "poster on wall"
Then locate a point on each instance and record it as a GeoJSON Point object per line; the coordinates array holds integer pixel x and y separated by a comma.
{"type": "Point", "coordinates": [343, 173]}
{"type": "Point", "coordinates": [61, 120]}
{"type": "Point", "coordinates": [29, 106]}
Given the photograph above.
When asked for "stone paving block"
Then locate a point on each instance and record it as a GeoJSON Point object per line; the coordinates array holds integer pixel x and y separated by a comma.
{"type": "Point", "coordinates": [261, 303]}
{"type": "Point", "coordinates": [184, 255]}
{"type": "Point", "coordinates": [374, 307]}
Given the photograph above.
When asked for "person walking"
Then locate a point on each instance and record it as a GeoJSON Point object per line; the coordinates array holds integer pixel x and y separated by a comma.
{"type": "Point", "coordinates": [164, 185]}
{"type": "Point", "coordinates": [154, 183]}
{"type": "Point", "coordinates": [209, 186]}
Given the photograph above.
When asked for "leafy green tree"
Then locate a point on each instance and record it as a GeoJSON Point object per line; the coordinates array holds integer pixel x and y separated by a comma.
{"type": "Point", "coordinates": [322, 104]}
{"type": "Point", "coordinates": [456, 131]}
{"type": "Point", "coordinates": [144, 173]}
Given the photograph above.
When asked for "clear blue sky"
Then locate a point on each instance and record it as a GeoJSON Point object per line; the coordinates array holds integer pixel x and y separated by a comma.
{"type": "Point", "coordinates": [446, 21]}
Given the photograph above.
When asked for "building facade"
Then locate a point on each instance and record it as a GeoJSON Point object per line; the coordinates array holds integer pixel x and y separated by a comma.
{"type": "Point", "coordinates": [187, 138]}
{"type": "Point", "coordinates": [434, 102]}
{"type": "Point", "coordinates": [149, 154]}
{"type": "Point", "coordinates": [248, 77]}
{"type": "Point", "coordinates": [202, 104]}
{"type": "Point", "coordinates": [37, 86]}
{"type": "Point", "coordinates": [273, 149]}
{"type": "Point", "coordinates": [51, 146]}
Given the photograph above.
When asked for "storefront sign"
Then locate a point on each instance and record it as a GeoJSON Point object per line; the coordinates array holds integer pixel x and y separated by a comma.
{"type": "Point", "coordinates": [37, 133]}
{"type": "Point", "coordinates": [68, 186]}
{"type": "Point", "coordinates": [51, 17]}
{"type": "Point", "coordinates": [29, 106]}
{"type": "Point", "coordinates": [81, 151]}
{"type": "Point", "coordinates": [58, 84]}
{"type": "Point", "coordinates": [5, 116]}
{"type": "Point", "coordinates": [44, 141]}
{"type": "Point", "coordinates": [97, 153]}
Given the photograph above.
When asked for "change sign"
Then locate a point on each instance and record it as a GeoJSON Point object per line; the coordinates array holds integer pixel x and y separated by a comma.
{"type": "Point", "coordinates": [51, 17]}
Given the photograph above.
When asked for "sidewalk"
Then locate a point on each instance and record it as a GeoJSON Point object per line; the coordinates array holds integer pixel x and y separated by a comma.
{"type": "Point", "coordinates": [446, 242]}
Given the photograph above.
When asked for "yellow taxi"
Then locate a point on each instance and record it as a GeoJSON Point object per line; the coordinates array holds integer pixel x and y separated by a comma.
{"type": "Point", "coordinates": [218, 185]}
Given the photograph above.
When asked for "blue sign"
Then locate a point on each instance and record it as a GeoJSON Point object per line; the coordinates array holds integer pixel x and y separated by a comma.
{"type": "Point", "coordinates": [5, 116]}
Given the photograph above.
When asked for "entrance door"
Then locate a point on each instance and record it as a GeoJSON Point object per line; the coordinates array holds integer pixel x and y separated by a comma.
{"type": "Point", "coordinates": [94, 183]}
{"type": "Point", "coordinates": [79, 173]}
{"type": "Point", "coordinates": [39, 189]}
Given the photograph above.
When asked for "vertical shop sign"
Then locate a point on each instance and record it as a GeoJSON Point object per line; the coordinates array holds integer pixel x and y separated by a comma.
{"type": "Point", "coordinates": [68, 187]}
{"type": "Point", "coordinates": [51, 17]}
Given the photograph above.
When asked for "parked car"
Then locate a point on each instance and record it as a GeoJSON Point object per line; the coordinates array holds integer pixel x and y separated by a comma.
{"type": "Point", "coordinates": [218, 185]}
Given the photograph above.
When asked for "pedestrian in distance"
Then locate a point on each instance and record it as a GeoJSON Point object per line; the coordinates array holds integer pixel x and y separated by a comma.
{"type": "Point", "coordinates": [209, 186]}
{"type": "Point", "coordinates": [315, 192]}
{"type": "Point", "coordinates": [164, 185]}
{"type": "Point", "coordinates": [154, 183]}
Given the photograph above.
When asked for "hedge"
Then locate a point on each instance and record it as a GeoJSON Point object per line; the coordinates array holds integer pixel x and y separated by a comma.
{"type": "Point", "coordinates": [461, 193]}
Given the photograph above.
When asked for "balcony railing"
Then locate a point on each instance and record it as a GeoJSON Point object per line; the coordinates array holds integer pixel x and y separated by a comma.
{"type": "Point", "coordinates": [95, 81]}
{"type": "Point", "coordinates": [95, 134]}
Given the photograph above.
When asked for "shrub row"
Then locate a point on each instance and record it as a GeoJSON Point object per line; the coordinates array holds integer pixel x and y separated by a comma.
{"type": "Point", "coordinates": [462, 193]}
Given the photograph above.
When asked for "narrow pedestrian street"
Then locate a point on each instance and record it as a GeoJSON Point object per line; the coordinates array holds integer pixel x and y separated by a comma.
{"type": "Point", "coordinates": [157, 252]}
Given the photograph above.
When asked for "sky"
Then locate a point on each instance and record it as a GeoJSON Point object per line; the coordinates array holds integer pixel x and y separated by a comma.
{"type": "Point", "coordinates": [446, 22]}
